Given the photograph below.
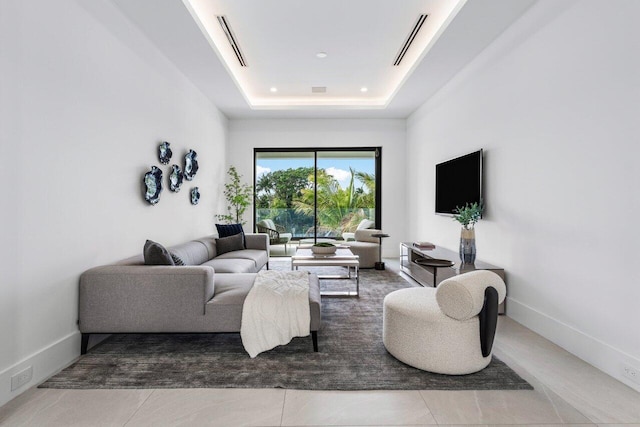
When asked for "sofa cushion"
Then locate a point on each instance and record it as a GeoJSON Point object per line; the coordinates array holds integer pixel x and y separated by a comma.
{"type": "Point", "coordinates": [191, 253]}
{"type": "Point", "coordinates": [225, 308]}
{"type": "Point", "coordinates": [232, 265]}
{"type": "Point", "coordinates": [232, 289]}
{"type": "Point", "coordinates": [229, 244]}
{"type": "Point", "coordinates": [257, 241]}
{"type": "Point", "coordinates": [259, 257]}
{"type": "Point", "coordinates": [210, 243]}
{"type": "Point", "coordinates": [156, 254]}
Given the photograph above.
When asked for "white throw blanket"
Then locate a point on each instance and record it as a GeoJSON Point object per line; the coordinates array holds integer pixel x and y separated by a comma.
{"type": "Point", "coordinates": [275, 310]}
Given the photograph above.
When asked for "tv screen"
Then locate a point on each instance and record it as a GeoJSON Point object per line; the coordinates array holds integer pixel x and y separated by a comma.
{"type": "Point", "coordinates": [458, 182]}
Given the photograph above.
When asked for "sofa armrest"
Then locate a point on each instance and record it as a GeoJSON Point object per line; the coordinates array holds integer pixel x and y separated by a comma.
{"type": "Point", "coordinates": [364, 235]}
{"type": "Point", "coordinates": [140, 298]}
{"type": "Point", "coordinates": [257, 241]}
{"type": "Point", "coordinates": [462, 297]}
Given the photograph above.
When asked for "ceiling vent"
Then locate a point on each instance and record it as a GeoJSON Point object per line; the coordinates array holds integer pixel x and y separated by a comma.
{"type": "Point", "coordinates": [318, 89]}
{"type": "Point", "coordinates": [407, 44]}
{"type": "Point", "coordinates": [232, 40]}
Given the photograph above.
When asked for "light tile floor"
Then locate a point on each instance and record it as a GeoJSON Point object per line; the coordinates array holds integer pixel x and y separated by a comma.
{"type": "Point", "coordinates": [567, 391]}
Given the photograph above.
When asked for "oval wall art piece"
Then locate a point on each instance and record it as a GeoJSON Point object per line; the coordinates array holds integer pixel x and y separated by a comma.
{"type": "Point", "coordinates": [164, 153]}
{"type": "Point", "coordinates": [195, 195]}
{"type": "Point", "coordinates": [190, 165]}
{"type": "Point", "coordinates": [175, 179]}
{"type": "Point", "coordinates": [153, 185]}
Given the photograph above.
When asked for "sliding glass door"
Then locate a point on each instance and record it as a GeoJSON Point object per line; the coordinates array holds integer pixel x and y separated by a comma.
{"type": "Point", "coordinates": [280, 178]}
{"type": "Point", "coordinates": [317, 193]}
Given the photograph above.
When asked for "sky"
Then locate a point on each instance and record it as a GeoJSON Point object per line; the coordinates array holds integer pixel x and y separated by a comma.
{"type": "Point", "coordinates": [338, 168]}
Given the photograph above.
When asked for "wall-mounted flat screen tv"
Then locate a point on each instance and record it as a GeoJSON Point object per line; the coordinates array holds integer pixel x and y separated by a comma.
{"type": "Point", "coordinates": [458, 182]}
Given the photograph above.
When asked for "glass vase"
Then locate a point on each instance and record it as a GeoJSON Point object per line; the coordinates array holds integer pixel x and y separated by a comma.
{"type": "Point", "coordinates": [468, 246]}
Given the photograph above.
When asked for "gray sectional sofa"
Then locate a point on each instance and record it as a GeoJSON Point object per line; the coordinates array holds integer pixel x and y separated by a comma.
{"type": "Point", "coordinates": [204, 295]}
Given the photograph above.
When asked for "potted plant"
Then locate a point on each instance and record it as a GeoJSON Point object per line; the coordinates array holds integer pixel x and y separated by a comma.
{"type": "Point", "coordinates": [324, 248]}
{"type": "Point", "coordinates": [468, 216]}
{"type": "Point", "coordinates": [238, 196]}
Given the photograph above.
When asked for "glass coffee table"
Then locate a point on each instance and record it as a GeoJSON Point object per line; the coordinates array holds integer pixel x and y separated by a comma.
{"type": "Point", "coordinates": [342, 258]}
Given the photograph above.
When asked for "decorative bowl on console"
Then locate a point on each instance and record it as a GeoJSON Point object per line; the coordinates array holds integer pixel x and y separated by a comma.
{"type": "Point", "coordinates": [324, 248]}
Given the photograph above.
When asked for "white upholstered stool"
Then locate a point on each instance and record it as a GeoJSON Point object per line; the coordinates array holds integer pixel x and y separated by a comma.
{"type": "Point", "coordinates": [438, 330]}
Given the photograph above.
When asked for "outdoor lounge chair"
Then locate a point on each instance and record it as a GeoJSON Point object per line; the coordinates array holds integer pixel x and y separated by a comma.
{"type": "Point", "coordinates": [277, 235]}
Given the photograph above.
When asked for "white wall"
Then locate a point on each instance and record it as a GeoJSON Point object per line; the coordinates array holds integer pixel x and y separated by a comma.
{"type": "Point", "coordinates": [86, 100]}
{"type": "Point", "coordinates": [554, 101]}
{"type": "Point", "coordinates": [245, 135]}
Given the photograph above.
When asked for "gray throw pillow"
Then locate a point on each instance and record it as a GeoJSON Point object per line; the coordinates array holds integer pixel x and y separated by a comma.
{"type": "Point", "coordinates": [226, 230]}
{"type": "Point", "coordinates": [229, 244]}
{"type": "Point", "coordinates": [156, 254]}
{"type": "Point", "coordinates": [176, 259]}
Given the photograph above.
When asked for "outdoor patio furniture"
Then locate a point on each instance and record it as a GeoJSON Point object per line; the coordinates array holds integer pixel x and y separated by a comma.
{"type": "Point", "coordinates": [277, 235]}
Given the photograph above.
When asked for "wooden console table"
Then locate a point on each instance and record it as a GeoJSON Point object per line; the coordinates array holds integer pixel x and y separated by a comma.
{"type": "Point", "coordinates": [410, 257]}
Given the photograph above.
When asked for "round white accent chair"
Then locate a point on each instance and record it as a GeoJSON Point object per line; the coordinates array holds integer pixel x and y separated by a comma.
{"type": "Point", "coordinates": [439, 329]}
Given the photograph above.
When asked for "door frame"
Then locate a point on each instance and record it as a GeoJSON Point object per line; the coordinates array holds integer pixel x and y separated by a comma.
{"type": "Point", "coordinates": [315, 151]}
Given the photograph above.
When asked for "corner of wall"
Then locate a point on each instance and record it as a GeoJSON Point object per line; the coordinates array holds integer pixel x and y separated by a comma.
{"type": "Point", "coordinates": [45, 363]}
{"type": "Point", "coordinates": [599, 354]}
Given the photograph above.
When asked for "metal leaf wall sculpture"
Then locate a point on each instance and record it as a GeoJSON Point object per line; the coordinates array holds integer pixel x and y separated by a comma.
{"type": "Point", "coordinates": [195, 195]}
{"type": "Point", "coordinates": [153, 184]}
{"type": "Point", "coordinates": [190, 165]}
{"type": "Point", "coordinates": [164, 153]}
{"type": "Point", "coordinates": [175, 178]}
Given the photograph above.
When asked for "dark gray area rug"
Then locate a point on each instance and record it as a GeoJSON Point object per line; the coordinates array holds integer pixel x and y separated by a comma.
{"type": "Point", "coordinates": [351, 357]}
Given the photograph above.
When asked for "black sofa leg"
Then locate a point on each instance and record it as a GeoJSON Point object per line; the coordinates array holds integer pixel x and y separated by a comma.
{"type": "Point", "coordinates": [314, 337]}
{"type": "Point", "coordinates": [85, 344]}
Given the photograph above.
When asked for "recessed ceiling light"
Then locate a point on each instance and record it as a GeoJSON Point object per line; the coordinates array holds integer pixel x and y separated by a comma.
{"type": "Point", "coordinates": [363, 89]}
{"type": "Point", "coordinates": [227, 42]}
{"type": "Point", "coordinates": [274, 89]}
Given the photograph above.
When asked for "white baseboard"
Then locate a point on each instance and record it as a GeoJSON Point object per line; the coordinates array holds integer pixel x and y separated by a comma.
{"type": "Point", "coordinates": [603, 356]}
{"type": "Point", "coordinates": [593, 351]}
{"type": "Point", "coordinates": [45, 363]}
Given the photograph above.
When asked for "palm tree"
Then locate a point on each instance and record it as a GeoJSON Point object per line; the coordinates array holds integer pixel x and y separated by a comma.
{"type": "Point", "coordinates": [339, 208]}
{"type": "Point", "coordinates": [369, 182]}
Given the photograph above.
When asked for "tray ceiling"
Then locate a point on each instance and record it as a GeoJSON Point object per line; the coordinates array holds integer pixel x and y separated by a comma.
{"type": "Point", "coordinates": [280, 41]}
